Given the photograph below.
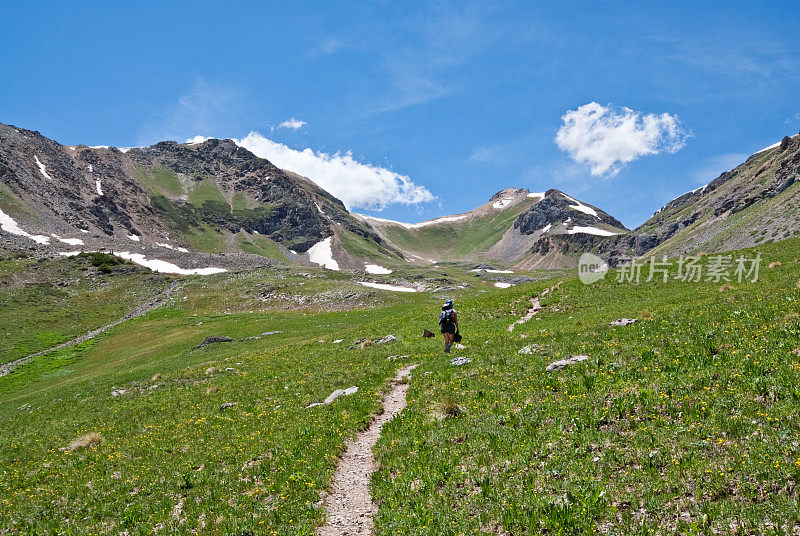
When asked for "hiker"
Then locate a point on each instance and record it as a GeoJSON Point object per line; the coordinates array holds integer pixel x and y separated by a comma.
{"type": "Point", "coordinates": [448, 320]}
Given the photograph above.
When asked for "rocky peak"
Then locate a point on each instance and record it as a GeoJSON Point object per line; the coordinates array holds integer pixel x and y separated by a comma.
{"type": "Point", "coordinates": [558, 208]}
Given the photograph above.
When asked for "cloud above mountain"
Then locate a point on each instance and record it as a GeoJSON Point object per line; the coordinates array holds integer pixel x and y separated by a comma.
{"type": "Point", "coordinates": [293, 124]}
{"type": "Point", "coordinates": [605, 138]}
{"type": "Point", "coordinates": [357, 184]}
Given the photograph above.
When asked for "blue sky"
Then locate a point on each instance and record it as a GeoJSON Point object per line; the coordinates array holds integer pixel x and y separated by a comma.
{"type": "Point", "coordinates": [431, 107]}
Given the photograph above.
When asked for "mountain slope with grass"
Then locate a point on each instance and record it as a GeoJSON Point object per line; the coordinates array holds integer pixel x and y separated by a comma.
{"type": "Point", "coordinates": [171, 201]}
{"type": "Point", "coordinates": [755, 203]}
{"type": "Point", "coordinates": [513, 228]}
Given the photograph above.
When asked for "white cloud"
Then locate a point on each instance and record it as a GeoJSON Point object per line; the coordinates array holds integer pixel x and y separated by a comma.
{"type": "Point", "coordinates": [607, 138]}
{"type": "Point", "coordinates": [293, 123]}
{"type": "Point", "coordinates": [358, 185]}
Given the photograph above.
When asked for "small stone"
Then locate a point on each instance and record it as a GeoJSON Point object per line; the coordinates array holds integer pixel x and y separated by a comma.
{"type": "Point", "coordinates": [458, 361]}
{"type": "Point", "coordinates": [623, 322]}
{"type": "Point", "coordinates": [529, 349]}
{"type": "Point", "coordinates": [118, 392]}
{"type": "Point", "coordinates": [227, 405]}
{"type": "Point", "coordinates": [384, 340]}
{"type": "Point", "coordinates": [459, 346]}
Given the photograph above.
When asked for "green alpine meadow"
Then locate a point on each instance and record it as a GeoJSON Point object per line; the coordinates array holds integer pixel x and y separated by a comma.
{"type": "Point", "coordinates": [680, 423]}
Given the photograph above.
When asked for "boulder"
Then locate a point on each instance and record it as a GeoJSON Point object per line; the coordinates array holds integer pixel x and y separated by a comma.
{"type": "Point", "coordinates": [564, 363]}
{"type": "Point", "coordinates": [334, 395]}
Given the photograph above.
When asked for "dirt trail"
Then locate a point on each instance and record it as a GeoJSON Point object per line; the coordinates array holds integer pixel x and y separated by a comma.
{"type": "Point", "coordinates": [349, 503]}
{"type": "Point", "coordinates": [153, 303]}
{"type": "Point", "coordinates": [536, 306]}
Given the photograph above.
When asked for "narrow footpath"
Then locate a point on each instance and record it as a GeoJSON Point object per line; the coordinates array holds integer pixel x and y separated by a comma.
{"type": "Point", "coordinates": [153, 303]}
{"type": "Point", "coordinates": [536, 306]}
{"type": "Point", "coordinates": [349, 502]}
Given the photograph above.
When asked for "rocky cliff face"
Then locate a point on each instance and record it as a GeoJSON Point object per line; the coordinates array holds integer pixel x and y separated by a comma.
{"type": "Point", "coordinates": [557, 208]}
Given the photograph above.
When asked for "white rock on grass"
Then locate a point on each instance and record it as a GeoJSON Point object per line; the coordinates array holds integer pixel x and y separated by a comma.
{"type": "Point", "coordinates": [623, 322]}
{"type": "Point", "coordinates": [458, 361]}
{"type": "Point", "coordinates": [564, 363]}
{"type": "Point", "coordinates": [338, 393]}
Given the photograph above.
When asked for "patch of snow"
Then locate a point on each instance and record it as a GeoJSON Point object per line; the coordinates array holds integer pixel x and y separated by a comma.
{"type": "Point", "coordinates": [165, 267]}
{"type": "Point", "coordinates": [197, 139]}
{"type": "Point", "coordinates": [376, 269]}
{"type": "Point", "coordinates": [134, 237]}
{"type": "Point", "coordinates": [97, 185]}
{"type": "Point", "coordinates": [126, 149]}
{"type": "Point", "coordinates": [591, 230]}
{"type": "Point", "coordinates": [436, 221]}
{"type": "Point", "coordinates": [536, 194]}
{"type": "Point", "coordinates": [320, 253]}
{"type": "Point", "coordinates": [319, 207]}
{"type": "Point", "coordinates": [503, 203]}
{"type": "Point", "coordinates": [500, 284]}
{"type": "Point", "coordinates": [768, 148]}
{"type": "Point", "coordinates": [182, 250]}
{"type": "Point", "coordinates": [91, 168]}
{"type": "Point", "coordinates": [84, 230]}
{"type": "Point", "coordinates": [382, 286]}
{"type": "Point", "coordinates": [293, 251]}
{"type": "Point", "coordinates": [580, 207]}
{"type": "Point", "coordinates": [499, 271]}
{"type": "Point", "coordinates": [70, 241]}
{"type": "Point", "coordinates": [164, 245]}
{"type": "Point", "coordinates": [546, 227]}
{"type": "Point", "coordinates": [42, 169]}
{"type": "Point", "coordinates": [10, 226]}
{"type": "Point", "coordinates": [99, 146]}
{"type": "Point", "coordinates": [69, 253]}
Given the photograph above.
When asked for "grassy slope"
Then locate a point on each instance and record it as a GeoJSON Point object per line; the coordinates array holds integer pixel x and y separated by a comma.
{"type": "Point", "coordinates": [48, 313]}
{"type": "Point", "coordinates": [456, 240]}
{"type": "Point", "coordinates": [680, 422]}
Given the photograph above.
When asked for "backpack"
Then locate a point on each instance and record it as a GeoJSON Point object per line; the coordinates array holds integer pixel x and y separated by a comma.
{"type": "Point", "coordinates": [446, 317]}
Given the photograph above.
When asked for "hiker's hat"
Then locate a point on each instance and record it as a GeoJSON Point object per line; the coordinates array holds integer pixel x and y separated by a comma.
{"type": "Point", "coordinates": [448, 303]}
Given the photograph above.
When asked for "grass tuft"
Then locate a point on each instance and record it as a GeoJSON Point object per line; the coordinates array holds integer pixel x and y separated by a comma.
{"type": "Point", "coordinates": [87, 441]}
{"type": "Point", "coordinates": [449, 407]}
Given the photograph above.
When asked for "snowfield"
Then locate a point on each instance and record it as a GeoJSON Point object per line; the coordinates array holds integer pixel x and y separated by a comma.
{"type": "Point", "coordinates": [503, 203]}
{"type": "Point", "coordinates": [70, 241]}
{"type": "Point", "coordinates": [8, 225]}
{"type": "Point", "coordinates": [382, 286]}
{"type": "Point", "coordinates": [590, 230]}
{"type": "Point", "coordinates": [546, 228]}
{"type": "Point", "coordinates": [320, 253]}
{"type": "Point", "coordinates": [163, 266]}
{"type": "Point", "coordinates": [42, 169]}
{"type": "Point", "coordinates": [376, 269]}
{"type": "Point", "coordinates": [500, 284]}
{"type": "Point", "coordinates": [580, 207]}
